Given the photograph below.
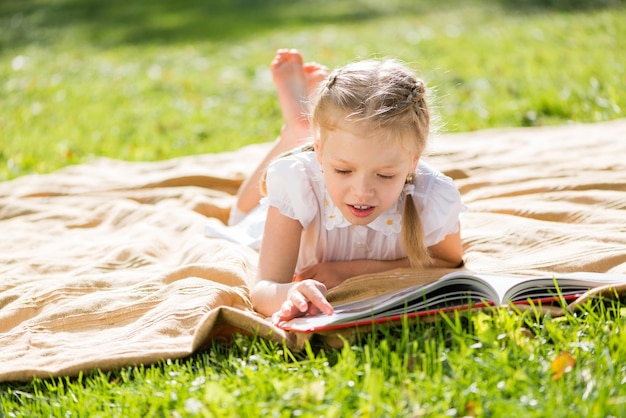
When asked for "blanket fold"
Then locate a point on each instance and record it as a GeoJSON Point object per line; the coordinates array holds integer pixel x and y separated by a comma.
{"type": "Point", "coordinates": [105, 264]}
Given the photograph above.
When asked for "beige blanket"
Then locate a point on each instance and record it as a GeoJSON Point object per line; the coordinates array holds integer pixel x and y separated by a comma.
{"type": "Point", "coordinates": [106, 265]}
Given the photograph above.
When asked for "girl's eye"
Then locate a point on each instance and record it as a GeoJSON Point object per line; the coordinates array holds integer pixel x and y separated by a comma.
{"type": "Point", "coordinates": [386, 177]}
{"type": "Point", "coordinates": [338, 171]}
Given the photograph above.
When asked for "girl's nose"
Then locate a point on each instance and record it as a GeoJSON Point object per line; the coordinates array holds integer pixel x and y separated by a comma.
{"type": "Point", "coordinates": [362, 187]}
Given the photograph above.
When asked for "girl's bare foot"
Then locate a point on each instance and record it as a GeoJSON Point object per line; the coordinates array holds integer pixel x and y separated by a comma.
{"type": "Point", "coordinates": [314, 74]}
{"type": "Point", "coordinates": [293, 85]}
{"type": "Point", "coordinates": [294, 80]}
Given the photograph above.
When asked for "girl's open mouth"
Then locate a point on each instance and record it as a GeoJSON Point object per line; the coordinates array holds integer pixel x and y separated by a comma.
{"type": "Point", "coordinates": [361, 211]}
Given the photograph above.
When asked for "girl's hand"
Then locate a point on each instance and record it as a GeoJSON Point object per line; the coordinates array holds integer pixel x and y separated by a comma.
{"type": "Point", "coordinates": [307, 297]}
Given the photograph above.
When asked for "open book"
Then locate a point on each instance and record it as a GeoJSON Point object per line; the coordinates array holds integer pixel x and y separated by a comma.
{"type": "Point", "coordinates": [461, 289]}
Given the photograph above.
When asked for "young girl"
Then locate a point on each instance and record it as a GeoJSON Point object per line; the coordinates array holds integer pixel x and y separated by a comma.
{"type": "Point", "coordinates": [360, 200]}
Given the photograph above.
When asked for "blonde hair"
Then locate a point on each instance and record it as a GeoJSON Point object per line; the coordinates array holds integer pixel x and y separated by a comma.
{"type": "Point", "coordinates": [387, 99]}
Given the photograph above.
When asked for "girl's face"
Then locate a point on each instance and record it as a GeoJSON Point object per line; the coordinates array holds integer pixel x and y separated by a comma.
{"type": "Point", "coordinates": [364, 175]}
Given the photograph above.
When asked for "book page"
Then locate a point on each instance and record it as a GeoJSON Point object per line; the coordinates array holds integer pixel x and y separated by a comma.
{"type": "Point", "coordinates": [502, 283]}
{"type": "Point", "coordinates": [458, 288]}
{"type": "Point", "coordinates": [455, 289]}
{"type": "Point", "coordinates": [569, 284]}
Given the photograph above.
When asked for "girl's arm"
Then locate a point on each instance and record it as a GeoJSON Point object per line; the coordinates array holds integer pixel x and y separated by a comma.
{"type": "Point", "coordinates": [449, 252]}
{"type": "Point", "coordinates": [335, 272]}
{"type": "Point", "coordinates": [274, 290]}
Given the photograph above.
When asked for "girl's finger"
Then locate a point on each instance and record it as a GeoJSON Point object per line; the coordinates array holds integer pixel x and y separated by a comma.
{"type": "Point", "coordinates": [313, 310]}
{"type": "Point", "coordinates": [317, 299]}
{"type": "Point", "coordinates": [300, 301]}
{"type": "Point", "coordinates": [286, 312]}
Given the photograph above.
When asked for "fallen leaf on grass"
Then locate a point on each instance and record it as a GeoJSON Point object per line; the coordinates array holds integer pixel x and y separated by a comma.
{"type": "Point", "coordinates": [562, 364]}
{"type": "Point", "coordinates": [470, 409]}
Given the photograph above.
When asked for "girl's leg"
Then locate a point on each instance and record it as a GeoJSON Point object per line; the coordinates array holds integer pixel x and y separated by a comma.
{"type": "Point", "coordinates": [294, 81]}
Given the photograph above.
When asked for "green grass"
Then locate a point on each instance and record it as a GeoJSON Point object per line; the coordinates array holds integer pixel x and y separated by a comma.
{"type": "Point", "coordinates": [157, 79]}
{"type": "Point", "coordinates": [496, 364]}
{"type": "Point", "coordinates": [149, 80]}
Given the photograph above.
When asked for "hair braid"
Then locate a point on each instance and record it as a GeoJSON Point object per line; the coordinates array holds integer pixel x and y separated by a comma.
{"type": "Point", "coordinates": [413, 235]}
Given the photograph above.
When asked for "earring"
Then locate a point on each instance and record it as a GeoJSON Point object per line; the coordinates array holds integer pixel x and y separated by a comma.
{"type": "Point", "coordinates": [409, 179]}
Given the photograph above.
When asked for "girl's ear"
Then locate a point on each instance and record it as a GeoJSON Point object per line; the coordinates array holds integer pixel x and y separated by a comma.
{"type": "Point", "coordinates": [318, 149]}
{"type": "Point", "coordinates": [414, 163]}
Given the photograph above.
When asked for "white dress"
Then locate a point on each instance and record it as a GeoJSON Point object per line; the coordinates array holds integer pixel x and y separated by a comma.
{"type": "Point", "coordinates": [295, 185]}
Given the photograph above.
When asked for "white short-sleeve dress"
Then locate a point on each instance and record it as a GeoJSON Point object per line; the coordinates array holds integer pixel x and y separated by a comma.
{"type": "Point", "coordinates": [295, 185]}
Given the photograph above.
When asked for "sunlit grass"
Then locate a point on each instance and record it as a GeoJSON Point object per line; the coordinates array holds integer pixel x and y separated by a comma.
{"type": "Point", "coordinates": [97, 85]}
{"type": "Point", "coordinates": [487, 364]}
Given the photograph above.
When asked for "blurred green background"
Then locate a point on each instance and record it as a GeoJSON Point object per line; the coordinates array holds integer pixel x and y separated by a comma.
{"type": "Point", "coordinates": [145, 80]}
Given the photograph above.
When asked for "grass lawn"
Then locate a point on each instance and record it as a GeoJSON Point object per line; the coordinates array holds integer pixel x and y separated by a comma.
{"type": "Point", "coordinates": [158, 79]}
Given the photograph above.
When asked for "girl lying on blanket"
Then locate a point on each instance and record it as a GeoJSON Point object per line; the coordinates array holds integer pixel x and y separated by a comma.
{"type": "Point", "coordinates": [359, 199]}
